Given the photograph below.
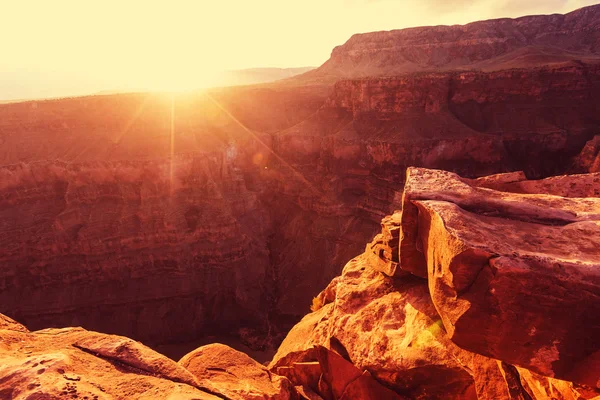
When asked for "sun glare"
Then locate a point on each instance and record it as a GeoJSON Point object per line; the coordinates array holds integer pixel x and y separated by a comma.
{"type": "Point", "coordinates": [176, 80]}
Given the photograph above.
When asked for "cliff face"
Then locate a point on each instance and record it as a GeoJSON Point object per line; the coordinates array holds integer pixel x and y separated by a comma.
{"type": "Point", "coordinates": [355, 149]}
{"type": "Point", "coordinates": [523, 114]}
{"type": "Point", "coordinates": [486, 45]}
{"type": "Point", "coordinates": [132, 247]}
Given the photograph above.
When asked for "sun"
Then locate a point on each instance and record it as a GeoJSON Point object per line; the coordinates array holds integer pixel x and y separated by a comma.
{"type": "Point", "coordinates": [176, 79]}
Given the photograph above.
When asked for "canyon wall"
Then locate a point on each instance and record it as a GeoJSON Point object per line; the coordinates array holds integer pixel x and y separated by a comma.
{"type": "Point", "coordinates": [246, 226]}
{"type": "Point", "coordinates": [123, 212]}
{"type": "Point", "coordinates": [150, 249]}
{"type": "Point", "coordinates": [354, 151]}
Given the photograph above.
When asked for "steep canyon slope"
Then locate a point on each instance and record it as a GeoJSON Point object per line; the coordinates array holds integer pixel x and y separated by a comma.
{"type": "Point", "coordinates": [122, 213]}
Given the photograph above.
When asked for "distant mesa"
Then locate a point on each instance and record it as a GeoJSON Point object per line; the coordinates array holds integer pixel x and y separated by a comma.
{"type": "Point", "coordinates": [484, 45]}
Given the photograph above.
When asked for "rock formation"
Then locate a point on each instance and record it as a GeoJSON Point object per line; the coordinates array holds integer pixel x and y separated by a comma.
{"type": "Point", "coordinates": [486, 45]}
{"type": "Point", "coordinates": [122, 213]}
{"type": "Point", "coordinates": [115, 246]}
{"type": "Point", "coordinates": [506, 306]}
{"type": "Point", "coordinates": [234, 375]}
{"type": "Point", "coordinates": [75, 363]}
{"type": "Point", "coordinates": [589, 158]}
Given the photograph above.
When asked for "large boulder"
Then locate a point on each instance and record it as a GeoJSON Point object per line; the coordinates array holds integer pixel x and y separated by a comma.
{"type": "Point", "coordinates": [398, 314]}
{"type": "Point", "coordinates": [234, 375]}
{"type": "Point", "coordinates": [426, 184]}
{"type": "Point", "coordinates": [514, 276]}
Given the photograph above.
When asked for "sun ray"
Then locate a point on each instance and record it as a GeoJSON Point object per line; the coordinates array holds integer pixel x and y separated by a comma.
{"type": "Point", "coordinates": [255, 136]}
{"type": "Point", "coordinates": [172, 144]}
{"type": "Point", "coordinates": [132, 120]}
{"type": "Point", "coordinates": [121, 134]}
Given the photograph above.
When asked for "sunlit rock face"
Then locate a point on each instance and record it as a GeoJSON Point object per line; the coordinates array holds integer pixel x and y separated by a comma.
{"type": "Point", "coordinates": [77, 363]}
{"type": "Point", "coordinates": [485, 45]}
{"type": "Point", "coordinates": [165, 217]}
{"type": "Point", "coordinates": [498, 262]}
{"type": "Point", "coordinates": [505, 308]}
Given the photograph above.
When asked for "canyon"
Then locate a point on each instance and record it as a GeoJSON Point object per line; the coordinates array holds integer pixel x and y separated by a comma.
{"type": "Point", "coordinates": [504, 307]}
{"type": "Point", "coordinates": [169, 218]}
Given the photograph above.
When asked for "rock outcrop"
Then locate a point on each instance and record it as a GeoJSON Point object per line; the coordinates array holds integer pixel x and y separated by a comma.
{"type": "Point", "coordinates": [234, 375]}
{"type": "Point", "coordinates": [589, 158]}
{"type": "Point", "coordinates": [497, 265]}
{"type": "Point", "coordinates": [75, 363]}
{"type": "Point", "coordinates": [506, 305]}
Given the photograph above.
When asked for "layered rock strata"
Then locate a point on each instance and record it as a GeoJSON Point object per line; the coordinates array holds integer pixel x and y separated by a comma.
{"type": "Point", "coordinates": [487, 45]}
{"type": "Point", "coordinates": [153, 250]}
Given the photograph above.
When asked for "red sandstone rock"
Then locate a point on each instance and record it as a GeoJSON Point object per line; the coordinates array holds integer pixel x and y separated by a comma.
{"type": "Point", "coordinates": [234, 375]}
{"type": "Point", "coordinates": [73, 362]}
{"type": "Point", "coordinates": [540, 318]}
{"type": "Point", "coordinates": [383, 250]}
{"type": "Point", "coordinates": [10, 324]}
{"type": "Point", "coordinates": [589, 158]}
{"type": "Point", "coordinates": [304, 374]}
{"type": "Point", "coordinates": [444, 186]}
{"type": "Point", "coordinates": [582, 185]}
{"type": "Point", "coordinates": [333, 377]}
{"type": "Point", "coordinates": [498, 263]}
{"type": "Point", "coordinates": [388, 328]}
{"type": "Point", "coordinates": [391, 328]}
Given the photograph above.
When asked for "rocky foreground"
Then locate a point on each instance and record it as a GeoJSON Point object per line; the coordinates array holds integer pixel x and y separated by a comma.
{"type": "Point", "coordinates": [482, 288]}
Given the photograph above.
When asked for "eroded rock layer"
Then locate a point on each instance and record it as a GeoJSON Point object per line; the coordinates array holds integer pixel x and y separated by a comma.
{"type": "Point", "coordinates": [73, 363]}
{"type": "Point", "coordinates": [153, 250]}
{"type": "Point", "coordinates": [487, 45]}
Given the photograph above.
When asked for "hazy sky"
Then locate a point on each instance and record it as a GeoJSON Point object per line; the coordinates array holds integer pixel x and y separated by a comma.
{"type": "Point", "coordinates": [60, 47]}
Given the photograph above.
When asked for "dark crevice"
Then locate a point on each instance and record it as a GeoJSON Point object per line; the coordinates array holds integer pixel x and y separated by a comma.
{"type": "Point", "coordinates": [513, 380]}
{"type": "Point", "coordinates": [220, 370]}
{"type": "Point", "coordinates": [339, 348]}
{"type": "Point", "coordinates": [505, 214]}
